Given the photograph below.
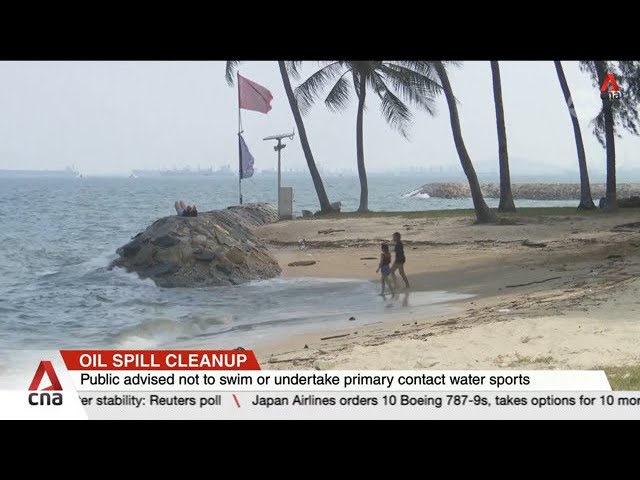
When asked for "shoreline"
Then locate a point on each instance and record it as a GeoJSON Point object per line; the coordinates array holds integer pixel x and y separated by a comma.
{"type": "Point", "coordinates": [550, 292]}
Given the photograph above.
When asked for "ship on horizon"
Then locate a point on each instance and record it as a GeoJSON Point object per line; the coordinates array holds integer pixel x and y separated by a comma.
{"type": "Point", "coordinates": [225, 170]}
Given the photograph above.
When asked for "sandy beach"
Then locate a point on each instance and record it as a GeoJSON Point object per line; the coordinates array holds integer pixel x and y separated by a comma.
{"type": "Point", "coordinates": [550, 291]}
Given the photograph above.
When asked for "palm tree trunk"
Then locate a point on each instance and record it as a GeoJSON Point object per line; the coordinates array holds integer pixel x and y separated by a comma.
{"type": "Point", "coordinates": [506, 197]}
{"type": "Point", "coordinates": [362, 172]}
{"type": "Point", "coordinates": [586, 200]}
{"type": "Point", "coordinates": [483, 213]}
{"type": "Point", "coordinates": [611, 203]}
{"type": "Point", "coordinates": [325, 205]}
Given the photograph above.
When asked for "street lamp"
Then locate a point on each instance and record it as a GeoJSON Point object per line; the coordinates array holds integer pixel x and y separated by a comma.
{"type": "Point", "coordinates": [278, 148]}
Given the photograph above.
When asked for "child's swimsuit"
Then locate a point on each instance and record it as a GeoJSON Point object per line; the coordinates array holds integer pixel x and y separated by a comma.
{"type": "Point", "coordinates": [386, 260]}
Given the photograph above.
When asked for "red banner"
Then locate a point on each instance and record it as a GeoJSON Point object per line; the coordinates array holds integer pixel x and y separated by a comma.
{"type": "Point", "coordinates": [160, 359]}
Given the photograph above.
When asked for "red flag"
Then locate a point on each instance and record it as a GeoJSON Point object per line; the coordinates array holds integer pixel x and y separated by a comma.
{"type": "Point", "coordinates": [253, 96]}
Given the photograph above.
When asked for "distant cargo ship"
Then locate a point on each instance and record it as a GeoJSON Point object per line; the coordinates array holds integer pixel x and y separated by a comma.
{"type": "Point", "coordinates": [67, 172]}
{"type": "Point", "coordinates": [185, 172]}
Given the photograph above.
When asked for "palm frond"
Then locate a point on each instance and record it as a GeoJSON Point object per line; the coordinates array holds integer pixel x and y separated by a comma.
{"type": "Point", "coordinates": [293, 67]}
{"type": "Point", "coordinates": [394, 110]}
{"type": "Point", "coordinates": [375, 80]}
{"type": "Point", "coordinates": [444, 65]}
{"type": "Point", "coordinates": [338, 98]}
{"type": "Point", "coordinates": [230, 70]}
{"type": "Point", "coordinates": [425, 67]}
{"type": "Point", "coordinates": [417, 88]}
{"type": "Point", "coordinates": [419, 66]}
{"type": "Point", "coordinates": [309, 90]}
{"type": "Point", "coordinates": [452, 63]}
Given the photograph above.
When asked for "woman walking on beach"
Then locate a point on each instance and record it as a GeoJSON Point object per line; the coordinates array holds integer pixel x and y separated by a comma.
{"type": "Point", "coordinates": [399, 261]}
{"type": "Point", "coordinates": [384, 268]}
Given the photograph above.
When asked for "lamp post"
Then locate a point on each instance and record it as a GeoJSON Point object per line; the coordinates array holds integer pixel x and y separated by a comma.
{"type": "Point", "coordinates": [278, 148]}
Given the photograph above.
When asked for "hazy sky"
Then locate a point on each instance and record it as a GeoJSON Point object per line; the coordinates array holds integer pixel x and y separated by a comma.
{"type": "Point", "coordinates": [110, 117]}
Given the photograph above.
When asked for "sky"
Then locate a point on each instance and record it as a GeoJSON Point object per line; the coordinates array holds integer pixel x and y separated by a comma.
{"type": "Point", "coordinates": [111, 117]}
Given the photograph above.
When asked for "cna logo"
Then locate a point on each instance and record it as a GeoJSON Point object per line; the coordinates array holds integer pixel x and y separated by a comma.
{"type": "Point", "coordinates": [610, 88]}
{"type": "Point", "coordinates": [42, 396]}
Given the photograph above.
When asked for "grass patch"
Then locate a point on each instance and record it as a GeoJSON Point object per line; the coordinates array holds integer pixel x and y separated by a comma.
{"type": "Point", "coordinates": [465, 212]}
{"type": "Point", "coordinates": [623, 378]}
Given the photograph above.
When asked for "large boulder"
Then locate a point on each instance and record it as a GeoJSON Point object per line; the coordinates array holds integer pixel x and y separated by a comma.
{"type": "Point", "coordinates": [214, 248]}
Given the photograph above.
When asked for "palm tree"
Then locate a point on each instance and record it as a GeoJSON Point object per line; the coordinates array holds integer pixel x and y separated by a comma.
{"type": "Point", "coordinates": [615, 113]}
{"type": "Point", "coordinates": [611, 202]}
{"type": "Point", "coordinates": [285, 68]}
{"type": "Point", "coordinates": [389, 80]}
{"type": "Point", "coordinates": [506, 197]}
{"type": "Point", "coordinates": [483, 212]}
{"type": "Point", "coordinates": [586, 200]}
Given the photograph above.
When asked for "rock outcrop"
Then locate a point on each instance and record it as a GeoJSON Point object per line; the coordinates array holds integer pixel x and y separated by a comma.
{"type": "Point", "coordinates": [214, 248]}
{"type": "Point", "coordinates": [631, 202]}
{"type": "Point", "coordinates": [525, 191]}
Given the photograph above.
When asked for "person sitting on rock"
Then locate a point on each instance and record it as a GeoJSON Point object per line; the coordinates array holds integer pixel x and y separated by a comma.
{"type": "Point", "coordinates": [181, 206]}
{"type": "Point", "coordinates": [191, 211]}
{"type": "Point", "coordinates": [185, 210]}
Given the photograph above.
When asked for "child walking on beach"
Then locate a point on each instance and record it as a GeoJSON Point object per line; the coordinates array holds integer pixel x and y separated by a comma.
{"type": "Point", "coordinates": [385, 268]}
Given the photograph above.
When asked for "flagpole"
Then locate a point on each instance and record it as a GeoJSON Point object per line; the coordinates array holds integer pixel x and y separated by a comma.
{"type": "Point", "coordinates": [239, 143]}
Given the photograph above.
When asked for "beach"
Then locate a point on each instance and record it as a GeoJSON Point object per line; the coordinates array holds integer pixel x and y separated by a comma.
{"type": "Point", "coordinates": [465, 307]}
{"type": "Point", "coordinates": [553, 290]}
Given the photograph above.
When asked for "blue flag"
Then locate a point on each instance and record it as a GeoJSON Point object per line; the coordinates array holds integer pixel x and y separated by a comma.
{"type": "Point", "coordinates": [246, 160]}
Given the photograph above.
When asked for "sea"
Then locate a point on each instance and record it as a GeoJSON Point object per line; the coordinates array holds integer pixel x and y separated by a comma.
{"type": "Point", "coordinates": [59, 234]}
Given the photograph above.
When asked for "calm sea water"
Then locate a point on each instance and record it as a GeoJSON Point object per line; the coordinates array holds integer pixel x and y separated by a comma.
{"type": "Point", "coordinates": [58, 235]}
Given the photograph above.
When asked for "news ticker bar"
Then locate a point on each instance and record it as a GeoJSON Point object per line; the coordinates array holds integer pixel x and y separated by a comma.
{"type": "Point", "coordinates": [361, 405]}
{"type": "Point", "coordinates": [229, 384]}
